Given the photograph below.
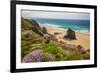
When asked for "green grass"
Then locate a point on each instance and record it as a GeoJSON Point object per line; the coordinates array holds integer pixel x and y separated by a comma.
{"type": "Point", "coordinates": [54, 49]}
{"type": "Point", "coordinates": [28, 42]}
{"type": "Point", "coordinates": [60, 52]}
{"type": "Point", "coordinates": [26, 24]}
{"type": "Point", "coordinates": [50, 48]}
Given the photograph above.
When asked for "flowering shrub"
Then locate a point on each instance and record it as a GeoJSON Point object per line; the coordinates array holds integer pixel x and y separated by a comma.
{"type": "Point", "coordinates": [34, 56]}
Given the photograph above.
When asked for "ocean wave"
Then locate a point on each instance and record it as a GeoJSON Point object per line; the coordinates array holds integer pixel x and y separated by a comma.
{"type": "Point", "coordinates": [65, 28]}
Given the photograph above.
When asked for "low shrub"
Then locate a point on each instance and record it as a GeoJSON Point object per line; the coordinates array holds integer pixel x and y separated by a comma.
{"type": "Point", "coordinates": [50, 48]}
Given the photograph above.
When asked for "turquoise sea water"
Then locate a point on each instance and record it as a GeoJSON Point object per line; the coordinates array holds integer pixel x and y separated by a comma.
{"type": "Point", "coordinates": [76, 25]}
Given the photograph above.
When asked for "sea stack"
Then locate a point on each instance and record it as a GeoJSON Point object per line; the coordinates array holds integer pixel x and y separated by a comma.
{"type": "Point", "coordinates": [70, 34]}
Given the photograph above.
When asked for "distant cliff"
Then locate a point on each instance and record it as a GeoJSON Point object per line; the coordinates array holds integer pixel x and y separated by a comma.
{"type": "Point", "coordinates": [30, 24]}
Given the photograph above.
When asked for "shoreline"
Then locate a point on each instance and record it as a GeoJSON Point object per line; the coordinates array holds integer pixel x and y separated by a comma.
{"type": "Point", "coordinates": [83, 39]}
{"type": "Point", "coordinates": [59, 28]}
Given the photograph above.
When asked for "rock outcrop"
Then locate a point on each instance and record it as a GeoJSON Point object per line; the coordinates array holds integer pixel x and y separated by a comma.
{"type": "Point", "coordinates": [44, 30]}
{"type": "Point", "coordinates": [70, 34]}
{"type": "Point", "coordinates": [81, 49]}
{"type": "Point", "coordinates": [30, 24]}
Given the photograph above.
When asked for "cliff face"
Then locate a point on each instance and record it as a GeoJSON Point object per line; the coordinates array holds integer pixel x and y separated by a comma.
{"type": "Point", "coordinates": [28, 24]}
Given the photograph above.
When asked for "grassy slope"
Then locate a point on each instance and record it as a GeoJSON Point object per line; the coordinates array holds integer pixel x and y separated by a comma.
{"type": "Point", "coordinates": [31, 37]}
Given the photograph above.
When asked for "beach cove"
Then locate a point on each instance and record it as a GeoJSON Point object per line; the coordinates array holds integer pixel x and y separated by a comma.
{"type": "Point", "coordinates": [83, 39]}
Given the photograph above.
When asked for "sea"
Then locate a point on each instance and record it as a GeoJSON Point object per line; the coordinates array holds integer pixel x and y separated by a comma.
{"type": "Point", "coordinates": [76, 25]}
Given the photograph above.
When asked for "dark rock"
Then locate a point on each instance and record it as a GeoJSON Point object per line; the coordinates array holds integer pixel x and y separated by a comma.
{"type": "Point", "coordinates": [56, 33]}
{"type": "Point", "coordinates": [28, 34]}
{"type": "Point", "coordinates": [70, 34]}
{"type": "Point", "coordinates": [44, 30]}
{"type": "Point", "coordinates": [88, 50]}
{"type": "Point", "coordinates": [61, 42]}
{"type": "Point", "coordinates": [35, 23]}
{"type": "Point", "coordinates": [81, 49]}
{"type": "Point", "coordinates": [36, 28]}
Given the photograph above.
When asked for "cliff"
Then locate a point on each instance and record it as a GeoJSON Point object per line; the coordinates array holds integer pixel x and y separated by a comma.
{"type": "Point", "coordinates": [30, 24]}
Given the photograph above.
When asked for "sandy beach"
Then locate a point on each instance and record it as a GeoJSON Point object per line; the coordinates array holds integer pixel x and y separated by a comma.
{"type": "Point", "coordinates": [83, 39]}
